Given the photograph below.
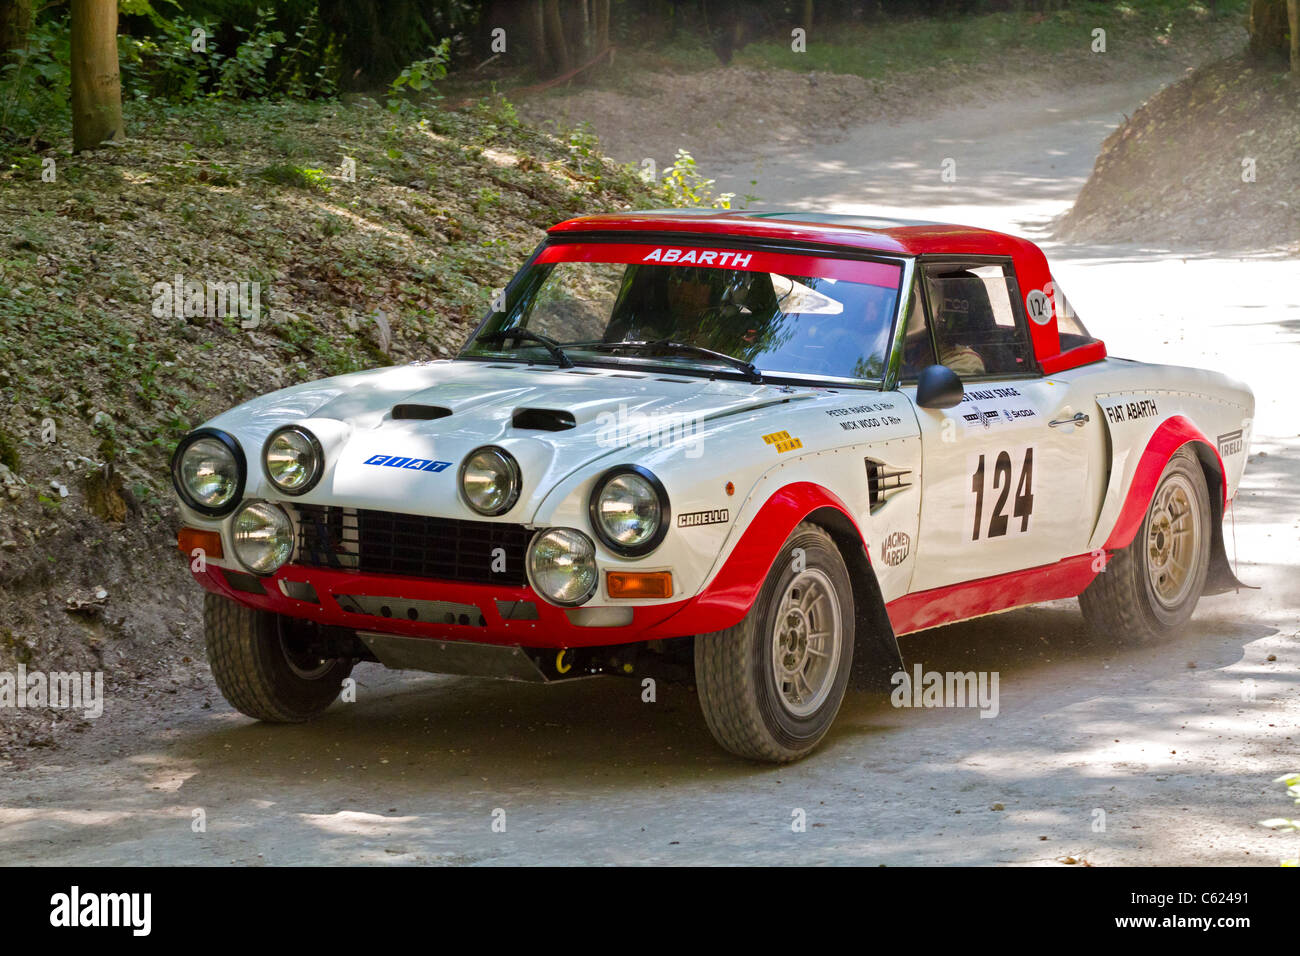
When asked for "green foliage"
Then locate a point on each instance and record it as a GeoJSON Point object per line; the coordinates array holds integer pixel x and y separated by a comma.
{"type": "Point", "coordinates": [164, 65]}
{"type": "Point", "coordinates": [1292, 783]}
{"type": "Point", "coordinates": [901, 42]}
{"type": "Point", "coordinates": [8, 453]}
{"type": "Point", "coordinates": [34, 86]}
{"type": "Point", "coordinates": [419, 77]}
{"type": "Point", "coordinates": [288, 174]}
{"type": "Point", "coordinates": [245, 73]}
{"type": "Point", "coordinates": [686, 186]}
{"type": "Point", "coordinates": [296, 76]}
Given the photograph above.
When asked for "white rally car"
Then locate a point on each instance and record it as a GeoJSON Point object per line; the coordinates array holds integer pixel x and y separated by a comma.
{"type": "Point", "coordinates": [760, 444]}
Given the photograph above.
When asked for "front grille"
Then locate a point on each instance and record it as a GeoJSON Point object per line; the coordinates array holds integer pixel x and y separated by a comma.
{"type": "Point", "coordinates": [384, 542]}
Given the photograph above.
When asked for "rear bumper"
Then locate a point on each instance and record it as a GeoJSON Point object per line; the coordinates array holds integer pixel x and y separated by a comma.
{"type": "Point", "coordinates": [444, 610]}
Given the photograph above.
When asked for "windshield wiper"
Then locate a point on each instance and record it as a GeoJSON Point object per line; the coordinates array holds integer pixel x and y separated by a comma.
{"type": "Point", "coordinates": [545, 341]}
{"type": "Point", "coordinates": [752, 374]}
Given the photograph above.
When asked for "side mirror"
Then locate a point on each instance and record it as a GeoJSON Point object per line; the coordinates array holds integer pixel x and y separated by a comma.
{"type": "Point", "coordinates": [938, 387]}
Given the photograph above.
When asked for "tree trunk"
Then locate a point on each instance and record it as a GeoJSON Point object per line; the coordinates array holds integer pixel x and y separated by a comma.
{"type": "Point", "coordinates": [96, 83]}
{"type": "Point", "coordinates": [555, 36]}
{"type": "Point", "coordinates": [602, 24]}
{"type": "Point", "coordinates": [537, 35]}
{"type": "Point", "coordinates": [1293, 15]}
{"type": "Point", "coordinates": [15, 24]}
{"type": "Point", "coordinates": [1268, 29]}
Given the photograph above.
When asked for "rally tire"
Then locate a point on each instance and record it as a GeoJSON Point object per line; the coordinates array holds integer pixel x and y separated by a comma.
{"type": "Point", "coordinates": [744, 704]}
{"type": "Point", "coordinates": [1133, 600]}
{"type": "Point", "coordinates": [253, 669]}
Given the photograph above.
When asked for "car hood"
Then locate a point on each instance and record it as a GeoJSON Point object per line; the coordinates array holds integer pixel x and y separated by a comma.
{"type": "Point", "coordinates": [554, 421]}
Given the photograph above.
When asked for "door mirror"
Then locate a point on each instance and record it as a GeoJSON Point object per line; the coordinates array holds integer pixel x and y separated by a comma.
{"type": "Point", "coordinates": [938, 387]}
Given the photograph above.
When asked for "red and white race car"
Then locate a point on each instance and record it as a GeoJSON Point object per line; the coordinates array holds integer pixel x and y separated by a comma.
{"type": "Point", "coordinates": [762, 444]}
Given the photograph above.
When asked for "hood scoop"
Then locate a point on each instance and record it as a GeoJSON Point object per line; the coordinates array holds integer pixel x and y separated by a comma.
{"type": "Point", "coordinates": [543, 419]}
{"type": "Point", "coordinates": [410, 411]}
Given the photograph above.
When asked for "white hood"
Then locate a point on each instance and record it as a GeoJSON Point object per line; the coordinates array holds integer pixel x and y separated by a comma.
{"type": "Point", "coordinates": [353, 416]}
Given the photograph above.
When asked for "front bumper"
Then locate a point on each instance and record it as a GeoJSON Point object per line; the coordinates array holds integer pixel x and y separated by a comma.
{"type": "Point", "coordinates": [442, 610]}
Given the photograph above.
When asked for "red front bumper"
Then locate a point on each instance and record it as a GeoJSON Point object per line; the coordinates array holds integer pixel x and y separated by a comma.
{"type": "Point", "coordinates": [552, 627]}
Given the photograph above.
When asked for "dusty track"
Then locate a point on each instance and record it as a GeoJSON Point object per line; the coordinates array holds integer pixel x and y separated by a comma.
{"type": "Point", "coordinates": [1159, 738]}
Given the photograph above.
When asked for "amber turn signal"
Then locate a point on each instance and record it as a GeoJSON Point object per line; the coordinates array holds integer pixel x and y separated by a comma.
{"type": "Point", "coordinates": [639, 584]}
{"type": "Point", "coordinates": [209, 542]}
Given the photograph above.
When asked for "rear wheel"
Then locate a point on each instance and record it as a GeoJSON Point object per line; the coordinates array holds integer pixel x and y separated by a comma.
{"type": "Point", "coordinates": [263, 669]}
{"type": "Point", "coordinates": [1150, 588]}
{"type": "Point", "coordinates": [771, 685]}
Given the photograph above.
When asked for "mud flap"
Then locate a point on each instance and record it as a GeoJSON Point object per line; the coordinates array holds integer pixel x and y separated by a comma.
{"type": "Point", "coordinates": [876, 656]}
{"type": "Point", "coordinates": [1219, 579]}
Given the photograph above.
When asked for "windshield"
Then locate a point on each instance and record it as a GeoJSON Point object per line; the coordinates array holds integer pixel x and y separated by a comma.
{"type": "Point", "coordinates": [712, 309]}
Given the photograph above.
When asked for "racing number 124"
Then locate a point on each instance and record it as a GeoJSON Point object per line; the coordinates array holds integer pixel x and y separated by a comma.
{"type": "Point", "coordinates": [1021, 507]}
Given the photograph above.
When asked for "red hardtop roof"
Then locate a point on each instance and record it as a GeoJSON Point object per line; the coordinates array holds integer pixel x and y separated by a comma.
{"type": "Point", "coordinates": [868, 233]}
{"type": "Point", "coordinates": [898, 236]}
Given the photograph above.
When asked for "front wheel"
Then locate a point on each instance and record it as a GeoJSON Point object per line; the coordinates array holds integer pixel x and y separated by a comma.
{"type": "Point", "coordinates": [771, 685]}
{"type": "Point", "coordinates": [1149, 589]}
{"type": "Point", "coordinates": [262, 668]}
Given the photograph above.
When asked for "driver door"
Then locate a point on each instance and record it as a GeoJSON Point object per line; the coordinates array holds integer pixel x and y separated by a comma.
{"type": "Point", "coordinates": [1002, 489]}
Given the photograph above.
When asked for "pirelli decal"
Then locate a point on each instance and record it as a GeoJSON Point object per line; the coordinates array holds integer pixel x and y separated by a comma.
{"type": "Point", "coordinates": [1230, 444]}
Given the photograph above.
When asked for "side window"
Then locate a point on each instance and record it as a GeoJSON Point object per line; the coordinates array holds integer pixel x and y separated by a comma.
{"type": "Point", "coordinates": [1068, 323]}
{"type": "Point", "coordinates": [918, 350]}
{"type": "Point", "coordinates": [973, 307]}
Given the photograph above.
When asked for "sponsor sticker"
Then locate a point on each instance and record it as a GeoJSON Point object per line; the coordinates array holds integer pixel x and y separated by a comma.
{"type": "Point", "coordinates": [410, 464]}
{"type": "Point", "coordinates": [782, 441]}
{"type": "Point", "coordinates": [694, 519]}
{"type": "Point", "coordinates": [1129, 411]}
{"type": "Point", "coordinates": [895, 548]}
{"type": "Point", "coordinates": [1230, 443]}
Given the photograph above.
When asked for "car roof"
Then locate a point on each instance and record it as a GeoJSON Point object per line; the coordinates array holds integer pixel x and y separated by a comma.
{"type": "Point", "coordinates": [876, 233]}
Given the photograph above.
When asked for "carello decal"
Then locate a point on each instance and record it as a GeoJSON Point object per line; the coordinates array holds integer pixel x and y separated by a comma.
{"type": "Point", "coordinates": [411, 464]}
{"type": "Point", "coordinates": [895, 548]}
{"type": "Point", "coordinates": [694, 519]}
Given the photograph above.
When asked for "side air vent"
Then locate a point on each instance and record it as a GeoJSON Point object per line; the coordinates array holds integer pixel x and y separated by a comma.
{"type": "Point", "coordinates": [420, 412]}
{"type": "Point", "coordinates": [543, 419]}
{"type": "Point", "coordinates": [883, 482]}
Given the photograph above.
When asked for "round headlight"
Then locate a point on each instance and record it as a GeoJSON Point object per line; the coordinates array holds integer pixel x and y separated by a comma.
{"type": "Point", "coordinates": [263, 536]}
{"type": "Point", "coordinates": [489, 480]}
{"type": "Point", "coordinates": [208, 472]}
{"type": "Point", "coordinates": [562, 566]}
{"type": "Point", "coordinates": [293, 460]}
{"type": "Point", "coordinates": [629, 510]}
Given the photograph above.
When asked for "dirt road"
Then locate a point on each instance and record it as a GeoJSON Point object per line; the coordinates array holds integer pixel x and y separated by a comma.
{"type": "Point", "coordinates": [1163, 745]}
